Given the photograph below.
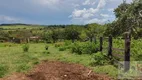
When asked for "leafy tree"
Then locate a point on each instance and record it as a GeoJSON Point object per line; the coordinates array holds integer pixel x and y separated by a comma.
{"type": "Point", "coordinates": [54, 35]}
{"type": "Point", "coordinates": [94, 30]}
{"type": "Point", "coordinates": [128, 19]}
{"type": "Point", "coordinates": [71, 33]}
{"type": "Point", "coordinates": [47, 37]}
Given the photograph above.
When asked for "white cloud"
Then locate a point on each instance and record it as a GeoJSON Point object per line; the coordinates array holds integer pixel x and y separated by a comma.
{"type": "Point", "coordinates": [89, 2]}
{"type": "Point", "coordinates": [105, 15]}
{"type": "Point", "coordinates": [57, 11]}
{"type": "Point", "coordinates": [75, 5]}
{"type": "Point", "coordinates": [48, 2]}
{"type": "Point", "coordinates": [4, 19]}
{"type": "Point", "coordinates": [101, 4]}
{"type": "Point", "coordinates": [87, 21]}
{"type": "Point", "coordinates": [52, 4]}
{"type": "Point", "coordinates": [85, 13]}
{"type": "Point", "coordinates": [88, 15]}
{"type": "Point", "coordinates": [110, 9]}
{"type": "Point", "coordinates": [96, 20]}
{"type": "Point", "coordinates": [100, 13]}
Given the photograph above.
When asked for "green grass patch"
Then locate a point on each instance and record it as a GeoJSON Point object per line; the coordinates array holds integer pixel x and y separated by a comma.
{"type": "Point", "coordinates": [107, 69]}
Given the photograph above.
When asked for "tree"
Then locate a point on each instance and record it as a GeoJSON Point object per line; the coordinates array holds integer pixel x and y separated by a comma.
{"type": "Point", "coordinates": [71, 33]}
{"type": "Point", "coordinates": [128, 18]}
{"type": "Point", "coordinates": [47, 37]}
{"type": "Point", "coordinates": [94, 30]}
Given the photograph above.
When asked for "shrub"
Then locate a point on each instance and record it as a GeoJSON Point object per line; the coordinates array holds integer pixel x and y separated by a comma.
{"type": "Point", "coordinates": [76, 48]}
{"type": "Point", "coordinates": [100, 59]}
{"type": "Point", "coordinates": [84, 48]}
{"type": "Point", "coordinates": [62, 48]}
{"type": "Point", "coordinates": [67, 43]}
{"type": "Point", "coordinates": [25, 47]}
{"type": "Point", "coordinates": [90, 48]}
{"type": "Point", "coordinates": [46, 47]}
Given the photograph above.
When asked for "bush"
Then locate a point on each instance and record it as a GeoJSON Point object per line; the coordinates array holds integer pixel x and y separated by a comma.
{"type": "Point", "coordinates": [90, 48]}
{"type": "Point", "coordinates": [100, 59]}
{"type": "Point", "coordinates": [62, 48]}
{"type": "Point", "coordinates": [76, 48]}
{"type": "Point", "coordinates": [46, 47]}
{"type": "Point", "coordinates": [84, 48]}
{"type": "Point", "coordinates": [67, 43]}
{"type": "Point", "coordinates": [25, 47]}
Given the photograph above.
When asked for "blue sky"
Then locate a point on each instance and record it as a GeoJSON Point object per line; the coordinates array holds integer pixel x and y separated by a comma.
{"type": "Point", "coordinates": [58, 11]}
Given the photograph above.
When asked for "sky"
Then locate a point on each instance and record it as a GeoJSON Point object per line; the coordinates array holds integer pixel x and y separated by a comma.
{"type": "Point", "coordinates": [48, 12]}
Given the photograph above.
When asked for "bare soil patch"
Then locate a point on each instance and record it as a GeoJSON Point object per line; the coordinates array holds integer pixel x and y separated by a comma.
{"type": "Point", "coordinates": [55, 70]}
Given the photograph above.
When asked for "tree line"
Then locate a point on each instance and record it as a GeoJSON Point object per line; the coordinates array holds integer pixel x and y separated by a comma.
{"type": "Point", "coordinates": [128, 19]}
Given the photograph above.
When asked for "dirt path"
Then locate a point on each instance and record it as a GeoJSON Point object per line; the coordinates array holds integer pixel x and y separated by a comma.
{"type": "Point", "coordinates": [54, 70]}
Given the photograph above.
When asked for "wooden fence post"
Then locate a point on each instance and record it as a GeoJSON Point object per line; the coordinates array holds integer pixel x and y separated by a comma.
{"type": "Point", "coordinates": [101, 44]}
{"type": "Point", "coordinates": [110, 47]}
{"type": "Point", "coordinates": [127, 52]}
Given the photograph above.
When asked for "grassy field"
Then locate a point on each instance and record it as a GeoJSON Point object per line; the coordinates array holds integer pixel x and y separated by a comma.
{"type": "Point", "coordinates": [13, 59]}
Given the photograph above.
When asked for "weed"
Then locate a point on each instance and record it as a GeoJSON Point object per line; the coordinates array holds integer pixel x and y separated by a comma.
{"type": "Point", "coordinates": [25, 47]}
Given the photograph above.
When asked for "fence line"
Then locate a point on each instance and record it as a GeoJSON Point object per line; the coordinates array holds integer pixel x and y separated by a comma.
{"type": "Point", "coordinates": [126, 50]}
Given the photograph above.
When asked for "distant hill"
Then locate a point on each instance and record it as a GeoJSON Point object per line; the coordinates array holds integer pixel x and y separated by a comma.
{"type": "Point", "coordinates": [20, 24]}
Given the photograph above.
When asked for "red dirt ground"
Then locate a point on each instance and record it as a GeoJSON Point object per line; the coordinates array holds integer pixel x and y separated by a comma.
{"type": "Point", "coordinates": [55, 70]}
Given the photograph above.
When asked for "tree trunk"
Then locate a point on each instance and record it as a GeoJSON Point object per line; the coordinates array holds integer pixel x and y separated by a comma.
{"type": "Point", "coordinates": [91, 39]}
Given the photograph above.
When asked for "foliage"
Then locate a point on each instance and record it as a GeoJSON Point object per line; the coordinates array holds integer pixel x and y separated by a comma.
{"type": "Point", "coordinates": [83, 36]}
{"type": "Point", "coordinates": [54, 35]}
{"type": "Point", "coordinates": [94, 30]}
{"type": "Point", "coordinates": [25, 47]}
{"type": "Point", "coordinates": [128, 19]}
{"type": "Point", "coordinates": [99, 59]}
{"type": "Point", "coordinates": [67, 43]}
{"type": "Point", "coordinates": [62, 48]}
{"type": "Point", "coordinates": [71, 33]}
{"type": "Point", "coordinates": [47, 37]}
{"type": "Point", "coordinates": [84, 48]}
{"type": "Point", "coordinates": [136, 49]}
